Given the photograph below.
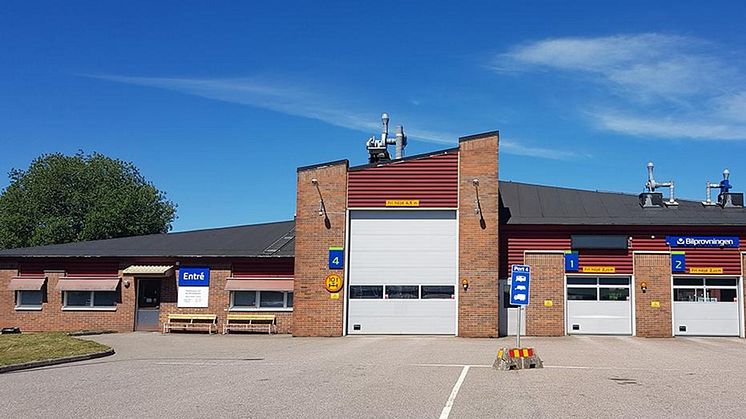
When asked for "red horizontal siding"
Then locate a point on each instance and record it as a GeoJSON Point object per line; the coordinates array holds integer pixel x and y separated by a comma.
{"type": "Point", "coordinates": [263, 268]}
{"type": "Point", "coordinates": [432, 180]}
{"type": "Point", "coordinates": [91, 268]}
{"type": "Point", "coordinates": [517, 246]}
{"type": "Point", "coordinates": [519, 242]}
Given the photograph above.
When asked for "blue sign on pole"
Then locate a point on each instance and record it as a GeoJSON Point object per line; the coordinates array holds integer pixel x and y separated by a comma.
{"type": "Point", "coordinates": [336, 258]}
{"type": "Point", "coordinates": [520, 279]}
{"type": "Point", "coordinates": [678, 262]}
{"type": "Point", "coordinates": [571, 261]}
{"type": "Point", "coordinates": [194, 277]}
{"type": "Point", "coordinates": [703, 241]}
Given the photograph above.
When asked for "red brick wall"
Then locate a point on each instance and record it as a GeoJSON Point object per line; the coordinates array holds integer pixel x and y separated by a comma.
{"type": "Point", "coordinates": [315, 313]}
{"type": "Point", "coordinates": [655, 271]}
{"type": "Point", "coordinates": [218, 300]}
{"type": "Point", "coordinates": [478, 241]}
{"type": "Point", "coordinates": [547, 283]}
{"type": "Point", "coordinates": [52, 318]}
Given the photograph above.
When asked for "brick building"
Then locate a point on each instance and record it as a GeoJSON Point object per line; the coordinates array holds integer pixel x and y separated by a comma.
{"type": "Point", "coordinates": [422, 245]}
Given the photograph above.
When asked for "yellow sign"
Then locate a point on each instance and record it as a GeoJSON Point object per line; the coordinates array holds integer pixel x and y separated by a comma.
{"type": "Point", "coordinates": [598, 269]}
{"type": "Point", "coordinates": [334, 296]}
{"type": "Point", "coordinates": [548, 303]}
{"type": "Point", "coordinates": [402, 202]}
{"type": "Point", "coordinates": [705, 270]}
{"type": "Point", "coordinates": [333, 283]}
{"type": "Point", "coordinates": [655, 304]}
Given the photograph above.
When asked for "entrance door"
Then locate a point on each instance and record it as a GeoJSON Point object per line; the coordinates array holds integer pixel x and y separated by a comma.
{"type": "Point", "coordinates": [705, 306]}
{"type": "Point", "coordinates": [508, 316]}
{"type": "Point", "coordinates": [148, 304]}
{"type": "Point", "coordinates": [600, 306]}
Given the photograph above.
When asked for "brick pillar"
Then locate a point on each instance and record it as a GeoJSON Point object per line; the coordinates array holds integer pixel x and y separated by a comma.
{"type": "Point", "coordinates": [655, 270]}
{"type": "Point", "coordinates": [314, 312]}
{"type": "Point", "coordinates": [547, 283]}
{"type": "Point", "coordinates": [478, 241]}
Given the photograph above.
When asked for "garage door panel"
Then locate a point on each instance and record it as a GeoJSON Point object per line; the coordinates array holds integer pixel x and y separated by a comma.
{"type": "Point", "coordinates": [402, 317]}
{"type": "Point", "coordinates": [402, 248]}
{"type": "Point", "coordinates": [600, 317]}
{"type": "Point", "coordinates": [706, 318]}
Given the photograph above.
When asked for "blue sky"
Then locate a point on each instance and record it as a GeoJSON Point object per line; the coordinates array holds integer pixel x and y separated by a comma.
{"type": "Point", "coordinates": [218, 102]}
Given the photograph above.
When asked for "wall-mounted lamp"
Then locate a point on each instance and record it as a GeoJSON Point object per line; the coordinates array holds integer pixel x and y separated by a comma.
{"type": "Point", "coordinates": [126, 283]}
{"type": "Point", "coordinates": [322, 207]}
{"type": "Point", "coordinates": [465, 284]}
{"type": "Point", "coordinates": [478, 204]}
{"type": "Point", "coordinates": [643, 287]}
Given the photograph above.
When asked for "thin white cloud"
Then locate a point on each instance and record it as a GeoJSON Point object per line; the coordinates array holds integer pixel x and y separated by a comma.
{"type": "Point", "coordinates": [519, 149]}
{"type": "Point", "coordinates": [299, 101]}
{"type": "Point", "coordinates": [656, 85]}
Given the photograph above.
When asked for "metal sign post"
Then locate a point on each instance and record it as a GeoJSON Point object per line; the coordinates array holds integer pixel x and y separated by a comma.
{"type": "Point", "coordinates": [520, 280]}
{"type": "Point", "coordinates": [518, 330]}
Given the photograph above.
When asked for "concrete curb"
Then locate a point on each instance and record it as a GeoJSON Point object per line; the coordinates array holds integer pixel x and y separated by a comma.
{"type": "Point", "coordinates": [57, 361]}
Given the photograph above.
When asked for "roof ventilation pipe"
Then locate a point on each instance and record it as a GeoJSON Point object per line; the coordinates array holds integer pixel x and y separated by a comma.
{"type": "Point", "coordinates": [652, 185]}
{"type": "Point", "coordinates": [378, 148]}
{"type": "Point", "coordinates": [726, 198]}
{"type": "Point", "coordinates": [724, 187]}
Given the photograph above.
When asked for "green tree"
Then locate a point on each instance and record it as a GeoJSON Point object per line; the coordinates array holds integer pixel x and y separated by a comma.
{"type": "Point", "coordinates": [62, 199]}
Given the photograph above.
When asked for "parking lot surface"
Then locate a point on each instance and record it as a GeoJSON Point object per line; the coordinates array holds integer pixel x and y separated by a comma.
{"type": "Point", "coordinates": [195, 375]}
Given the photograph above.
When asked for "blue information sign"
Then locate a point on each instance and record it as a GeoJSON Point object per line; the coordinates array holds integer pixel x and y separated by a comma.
{"type": "Point", "coordinates": [703, 241]}
{"type": "Point", "coordinates": [571, 262]}
{"type": "Point", "coordinates": [336, 258]}
{"type": "Point", "coordinates": [194, 277]}
{"type": "Point", "coordinates": [520, 279]}
{"type": "Point", "coordinates": [678, 262]}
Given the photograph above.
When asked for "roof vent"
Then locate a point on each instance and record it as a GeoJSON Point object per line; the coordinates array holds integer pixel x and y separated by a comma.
{"type": "Point", "coordinates": [652, 199]}
{"type": "Point", "coordinates": [726, 199]}
{"type": "Point", "coordinates": [378, 148]}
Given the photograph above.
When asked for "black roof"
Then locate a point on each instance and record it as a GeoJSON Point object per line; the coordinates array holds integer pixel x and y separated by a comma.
{"type": "Point", "coordinates": [520, 204]}
{"type": "Point", "coordinates": [258, 240]}
{"type": "Point", "coordinates": [527, 204]}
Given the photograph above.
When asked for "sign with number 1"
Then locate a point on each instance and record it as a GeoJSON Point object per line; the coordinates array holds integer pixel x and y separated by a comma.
{"type": "Point", "coordinates": [571, 261]}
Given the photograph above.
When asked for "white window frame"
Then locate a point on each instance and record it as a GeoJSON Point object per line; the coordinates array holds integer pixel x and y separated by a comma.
{"type": "Point", "coordinates": [20, 307]}
{"type": "Point", "coordinates": [91, 307]}
{"type": "Point", "coordinates": [704, 287]}
{"type": "Point", "coordinates": [257, 302]}
{"type": "Point", "coordinates": [598, 286]}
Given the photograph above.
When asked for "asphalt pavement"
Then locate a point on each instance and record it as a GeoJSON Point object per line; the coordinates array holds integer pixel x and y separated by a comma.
{"type": "Point", "coordinates": [259, 376]}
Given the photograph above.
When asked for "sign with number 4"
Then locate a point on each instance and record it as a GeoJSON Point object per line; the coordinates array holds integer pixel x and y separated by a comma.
{"type": "Point", "coordinates": [336, 258]}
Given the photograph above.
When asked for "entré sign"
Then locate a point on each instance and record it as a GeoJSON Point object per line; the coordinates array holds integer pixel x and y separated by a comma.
{"type": "Point", "coordinates": [194, 277]}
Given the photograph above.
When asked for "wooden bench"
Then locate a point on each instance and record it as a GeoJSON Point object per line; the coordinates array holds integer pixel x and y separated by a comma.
{"type": "Point", "coordinates": [250, 323]}
{"type": "Point", "coordinates": [207, 322]}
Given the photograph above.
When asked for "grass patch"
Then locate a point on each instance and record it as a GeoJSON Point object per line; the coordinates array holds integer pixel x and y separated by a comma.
{"type": "Point", "coordinates": [19, 349]}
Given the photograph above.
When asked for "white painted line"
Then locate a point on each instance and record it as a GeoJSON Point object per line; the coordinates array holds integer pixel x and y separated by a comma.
{"type": "Point", "coordinates": [452, 365]}
{"type": "Point", "coordinates": [449, 404]}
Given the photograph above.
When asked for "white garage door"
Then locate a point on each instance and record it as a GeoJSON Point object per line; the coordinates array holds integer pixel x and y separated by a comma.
{"type": "Point", "coordinates": [705, 306]}
{"type": "Point", "coordinates": [402, 272]}
{"type": "Point", "coordinates": [599, 306]}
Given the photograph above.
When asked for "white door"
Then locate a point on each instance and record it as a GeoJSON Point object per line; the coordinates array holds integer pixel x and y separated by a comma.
{"type": "Point", "coordinates": [508, 316]}
{"type": "Point", "coordinates": [706, 306]}
{"type": "Point", "coordinates": [402, 272]}
{"type": "Point", "coordinates": [599, 305]}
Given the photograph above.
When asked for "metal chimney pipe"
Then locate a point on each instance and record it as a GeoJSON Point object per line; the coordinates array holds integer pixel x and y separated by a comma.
{"type": "Point", "coordinates": [401, 142]}
{"type": "Point", "coordinates": [385, 133]}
